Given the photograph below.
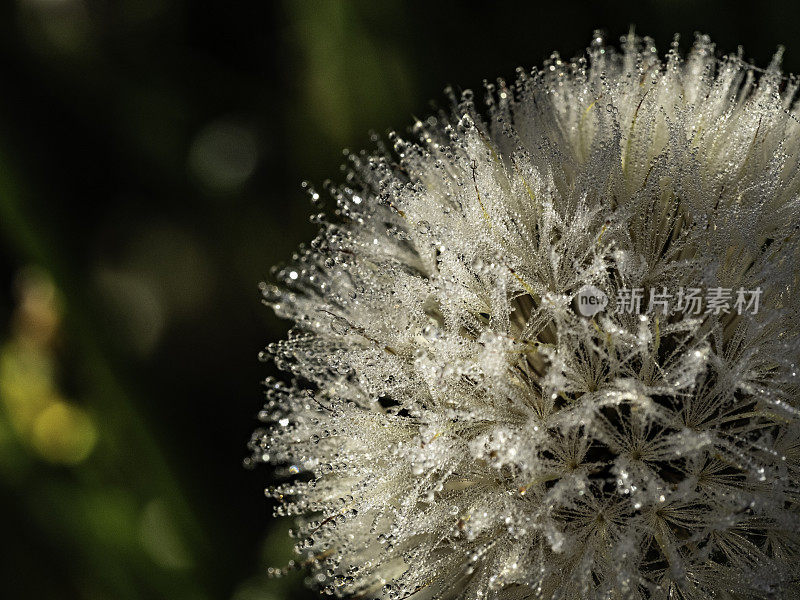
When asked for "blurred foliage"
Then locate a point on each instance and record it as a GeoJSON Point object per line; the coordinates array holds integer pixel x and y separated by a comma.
{"type": "Point", "coordinates": [150, 160]}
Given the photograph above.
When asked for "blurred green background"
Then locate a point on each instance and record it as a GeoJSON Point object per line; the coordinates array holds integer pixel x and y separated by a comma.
{"type": "Point", "coordinates": [151, 155]}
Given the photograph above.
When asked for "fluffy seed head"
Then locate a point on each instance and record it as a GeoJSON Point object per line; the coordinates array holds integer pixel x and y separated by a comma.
{"type": "Point", "coordinates": [455, 428]}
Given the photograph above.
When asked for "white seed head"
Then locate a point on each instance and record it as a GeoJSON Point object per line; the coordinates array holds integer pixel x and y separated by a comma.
{"type": "Point", "coordinates": [458, 430]}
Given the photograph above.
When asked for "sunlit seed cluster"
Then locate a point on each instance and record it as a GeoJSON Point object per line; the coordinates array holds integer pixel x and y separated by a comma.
{"type": "Point", "coordinates": [453, 428]}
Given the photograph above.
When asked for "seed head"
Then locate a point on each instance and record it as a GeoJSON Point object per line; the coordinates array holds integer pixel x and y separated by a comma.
{"type": "Point", "coordinates": [457, 426]}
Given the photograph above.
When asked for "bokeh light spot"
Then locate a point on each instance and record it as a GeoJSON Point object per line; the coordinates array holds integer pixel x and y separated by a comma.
{"type": "Point", "coordinates": [223, 156]}
{"type": "Point", "coordinates": [64, 433]}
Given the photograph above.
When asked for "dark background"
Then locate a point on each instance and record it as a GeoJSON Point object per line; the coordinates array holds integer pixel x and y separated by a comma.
{"type": "Point", "coordinates": [151, 155]}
